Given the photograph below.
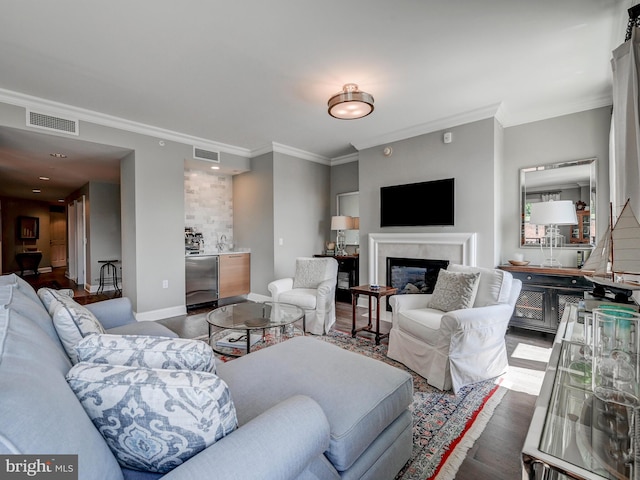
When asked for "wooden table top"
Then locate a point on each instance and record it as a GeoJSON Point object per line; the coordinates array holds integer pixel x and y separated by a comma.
{"type": "Point", "coordinates": [546, 270]}
{"type": "Point", "coordinates": [366, 290]}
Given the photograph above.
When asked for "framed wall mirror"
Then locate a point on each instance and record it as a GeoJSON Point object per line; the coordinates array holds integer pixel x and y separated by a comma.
{"type": "Point", "coordinates": [349, 204]}
{"type": "Point", "coordinates": [573, 180]}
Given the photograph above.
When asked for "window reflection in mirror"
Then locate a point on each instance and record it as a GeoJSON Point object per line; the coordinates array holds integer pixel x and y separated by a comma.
{"type": "Point", "coordinates": [349, 204]}
{"type": "Point", "coordinates": [575, 181]}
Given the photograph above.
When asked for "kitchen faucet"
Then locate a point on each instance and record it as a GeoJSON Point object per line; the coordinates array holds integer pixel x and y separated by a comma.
{"type": "Point", "coordinates": [222, 243]}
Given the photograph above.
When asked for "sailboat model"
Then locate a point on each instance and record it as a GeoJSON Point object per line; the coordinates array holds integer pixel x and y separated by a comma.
{"type": "Point", "coordinates": [616, 254]}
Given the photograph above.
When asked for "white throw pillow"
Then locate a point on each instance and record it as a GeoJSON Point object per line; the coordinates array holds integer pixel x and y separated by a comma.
{"type": "Point", "coordinates": [147, 351]}
{"type": "Point", "coordinates": [50, 297]}
{"type": "Point", "coordinates": [454, 291]}
{"type": "Point", "coordinates": [494, 286]}
{"type": "Point", "coordinates": [310, 272]}
{"type": "Point", "coordinates": [73, 322]}
{"type": "Point", "coordinates": [154, 420]}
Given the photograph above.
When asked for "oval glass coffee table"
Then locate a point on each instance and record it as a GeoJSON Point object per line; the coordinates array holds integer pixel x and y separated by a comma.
{"type": "Point", "coordinates": [245, 324]}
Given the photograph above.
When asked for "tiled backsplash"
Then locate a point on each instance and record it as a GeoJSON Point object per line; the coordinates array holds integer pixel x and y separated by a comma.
{"type": "Point", "coordinates": [208, 205]}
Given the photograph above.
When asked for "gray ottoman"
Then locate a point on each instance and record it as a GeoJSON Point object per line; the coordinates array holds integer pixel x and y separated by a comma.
{"type": "Point", "coordinates": [366, 401]}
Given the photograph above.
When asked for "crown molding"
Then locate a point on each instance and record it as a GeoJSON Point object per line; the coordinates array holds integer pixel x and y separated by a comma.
{"type": "Point", "coordinates": [51, 107]}
{"type": "Point", "coordinates": [352, 157]}
{"type": "Point", "coordinates": [545, 113]}
{"type": "Point", "coordinates": [429, 127]}
{"type": "Point", "coordinates": [294, 152]}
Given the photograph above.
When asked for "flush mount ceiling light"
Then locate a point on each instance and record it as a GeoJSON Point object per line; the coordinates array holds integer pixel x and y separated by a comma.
{"type": "Point", "coordinates": [351, 103]}
{"type": "Point", "coordinates": [58, 155]}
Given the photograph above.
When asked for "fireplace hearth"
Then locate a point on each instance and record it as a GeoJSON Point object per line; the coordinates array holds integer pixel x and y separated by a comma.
{"type": "Point", "coordinates": [413, 275]}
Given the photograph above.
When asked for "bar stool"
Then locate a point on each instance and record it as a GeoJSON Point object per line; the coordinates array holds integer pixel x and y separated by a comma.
{"type": "Point", "coordinates": [108, 275]}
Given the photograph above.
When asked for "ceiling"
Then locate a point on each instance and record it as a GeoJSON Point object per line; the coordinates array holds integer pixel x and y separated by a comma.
{"type": "Point", "coordinates": [253, 74]}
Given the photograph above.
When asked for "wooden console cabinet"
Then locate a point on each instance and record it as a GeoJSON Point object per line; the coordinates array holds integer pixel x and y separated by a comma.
{"type": "Point", "coordinates": [234, 272]}
{"type": "Point", "coordinates": [545, 294]}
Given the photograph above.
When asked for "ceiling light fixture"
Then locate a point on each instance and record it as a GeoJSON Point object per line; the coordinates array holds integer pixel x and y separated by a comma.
{"type": "Point", "coordinates": [44, 178]}
{"type": "Point", "coordinates": [58, 155]}
{"type": "Point", "coordinates": [36, 190]}
{"type": "Point", "coordinates": [351, 103]}
{"type": "Point", "coordinates": [215, 167]}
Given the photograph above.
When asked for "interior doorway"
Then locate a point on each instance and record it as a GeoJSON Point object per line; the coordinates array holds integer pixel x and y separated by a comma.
{"type": "Point", "coordinates": [58, 239]}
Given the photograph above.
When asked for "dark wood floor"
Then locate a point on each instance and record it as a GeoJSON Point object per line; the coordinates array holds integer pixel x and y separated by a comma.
{"type": "Point", "coordinates": [494, 456]}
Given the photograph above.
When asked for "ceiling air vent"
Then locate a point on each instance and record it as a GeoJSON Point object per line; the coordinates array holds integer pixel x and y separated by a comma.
{"type": "Point", "coordinates": [52, 123]}
{"type": "Point", "coordinates": [208, 155]}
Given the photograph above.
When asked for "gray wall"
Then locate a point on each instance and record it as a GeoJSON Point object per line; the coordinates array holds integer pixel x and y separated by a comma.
{"type": "Point", "coordinates": [152, 212]}
{"type": "Point", "coordinates": [301, 210]}
{"type": "Point", "coordinates": [105, 235]}
{"type": "Point", "coordinates": [253, 219]}
{"type": "Point", "coordinates": [104, 240]}
{"type": "Point", "coordinates": [470, 159]}
{"type": "Point", "coordinates": [282, 197]}
{"type": "Point", "coordinates": [569, 137]}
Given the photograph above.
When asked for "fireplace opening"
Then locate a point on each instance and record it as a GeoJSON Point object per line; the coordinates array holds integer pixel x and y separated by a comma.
{"type": "Point", "coordinates": [413, 275]}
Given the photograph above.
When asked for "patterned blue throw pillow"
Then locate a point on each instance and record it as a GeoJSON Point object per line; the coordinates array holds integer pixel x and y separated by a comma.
{"type": "Point", "coordinates": [147, 351]}
{"type": "Point", "coordinates": [154, 420]}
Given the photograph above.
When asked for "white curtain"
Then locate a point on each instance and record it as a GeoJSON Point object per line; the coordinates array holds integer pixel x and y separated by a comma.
{"type": "Point", "coordinates": [625, 162]}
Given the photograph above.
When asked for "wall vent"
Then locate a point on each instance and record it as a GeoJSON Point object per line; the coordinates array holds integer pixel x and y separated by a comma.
{"type": "Point", "coordinates": [52, 123]}
{"type": "Point", "coordinates": [208, 155]}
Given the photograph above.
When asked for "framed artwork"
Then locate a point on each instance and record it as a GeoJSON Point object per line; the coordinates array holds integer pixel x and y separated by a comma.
{"type": "Point", "coordinates": [28, 228]}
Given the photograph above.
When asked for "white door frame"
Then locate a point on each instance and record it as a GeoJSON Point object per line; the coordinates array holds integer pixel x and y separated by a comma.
{"type": "Point", "coordinates": [77, 241]}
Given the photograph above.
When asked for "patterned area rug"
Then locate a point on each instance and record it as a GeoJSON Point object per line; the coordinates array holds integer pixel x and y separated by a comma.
{"type": "Point", "coordinates": [445, 425]}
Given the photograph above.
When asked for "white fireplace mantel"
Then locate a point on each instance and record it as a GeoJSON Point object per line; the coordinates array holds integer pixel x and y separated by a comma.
{"type": "Point", "coordinates": [455, 247]}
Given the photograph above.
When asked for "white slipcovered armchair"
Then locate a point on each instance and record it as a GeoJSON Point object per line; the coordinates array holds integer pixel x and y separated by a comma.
{"type": "Point", "coordinates": [313, 289]}
{"type": "Point", "coordinates": [458, 347]}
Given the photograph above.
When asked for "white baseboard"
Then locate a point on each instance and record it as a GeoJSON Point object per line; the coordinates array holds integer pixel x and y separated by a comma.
{"type": "Point", "coordinates": [160, 314]}
{"type": "Point", "coordinates": [256, 297]}
{"type": "Point", "coordinates": [93, 288]}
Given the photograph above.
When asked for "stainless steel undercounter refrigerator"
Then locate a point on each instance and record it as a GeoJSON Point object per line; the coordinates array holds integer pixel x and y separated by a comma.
{"type": "Point", "coordinates": [202, 279]}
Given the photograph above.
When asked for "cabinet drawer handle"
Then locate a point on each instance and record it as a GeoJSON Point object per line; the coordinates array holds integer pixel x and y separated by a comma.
{"type": "Point", "coordinates": [574, 281]}
{"type": "Point", "coordinates": [529, 277]}
{"type": "Point", "coordinates": [235, 256]}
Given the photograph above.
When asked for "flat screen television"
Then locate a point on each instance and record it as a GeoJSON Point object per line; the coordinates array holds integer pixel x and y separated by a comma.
{"type": "Point", "coordinates": [417, 204]}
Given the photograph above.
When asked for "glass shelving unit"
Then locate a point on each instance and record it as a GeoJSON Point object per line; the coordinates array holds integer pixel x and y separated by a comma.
{"type": "Point", "coordinates": [574, 435]}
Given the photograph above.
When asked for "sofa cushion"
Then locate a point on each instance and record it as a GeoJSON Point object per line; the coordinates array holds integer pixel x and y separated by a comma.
{"type": "Point", "coordinates": [20, 283]}
{"type": "Point", "coordinates": [310, 272]}
{"type": "Point", "coordinates": [30, 307]}
{"type": "Point", "coordinates": [494, 286]}
{"type": "Point", "coordinates": [302, 297]}
{"type": "Point", "coordinates": [39, 413]}
{"type": "Point", "coordinates": [146, 351]}
{"type": "Point", "coordinates": [360, 396]}
{"type": "Point", "coordinates": [154, 419]}
{"type": "Point", "coordinates": [454, 291]}
{"type": "Point", "coordinates": [73, 322]}
{"type": "Point", "coordinates": [423, 323]}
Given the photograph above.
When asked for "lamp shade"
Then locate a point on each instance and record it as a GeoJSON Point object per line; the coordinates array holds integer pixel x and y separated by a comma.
{"type": "Point", "coordinates": [341, 222]}
{"type": "Point", "coordinates": [562, 212]}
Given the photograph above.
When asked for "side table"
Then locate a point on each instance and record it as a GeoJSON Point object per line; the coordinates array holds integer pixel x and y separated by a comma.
{"type": "Point", "coordinates": [377, 293]}
{"type": "Point", "coordinates": [28, 261]}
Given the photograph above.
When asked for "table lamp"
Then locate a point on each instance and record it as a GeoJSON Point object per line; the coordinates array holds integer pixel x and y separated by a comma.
{"type": "Point", "coordinates": [340, 223]}
{"type": "Point", "coordinates": [552, 214]}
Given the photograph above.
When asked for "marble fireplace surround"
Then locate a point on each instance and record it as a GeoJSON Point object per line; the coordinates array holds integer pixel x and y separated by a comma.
{"type": "Point", "coordinates": [458, 248]}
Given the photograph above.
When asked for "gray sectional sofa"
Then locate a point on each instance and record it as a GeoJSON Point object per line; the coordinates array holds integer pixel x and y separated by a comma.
{"type": "Point", "coordinates": [305, 409]}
